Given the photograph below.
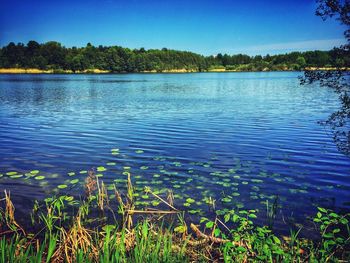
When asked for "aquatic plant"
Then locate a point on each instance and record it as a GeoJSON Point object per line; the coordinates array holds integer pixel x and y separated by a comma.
{"type": "Point", "coordinates": [79, 231]}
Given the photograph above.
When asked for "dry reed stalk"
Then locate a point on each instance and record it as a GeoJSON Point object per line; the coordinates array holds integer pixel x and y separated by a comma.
{"type": "Point", "coordinates": [90, 183]}
{"type": "Point", "coordinates": [170, 197]}
{"type": "Point", "coordinates": [209, 238]}
{"type": "Point", "coordinates": [102, 196]}
{"type": "Point", "coordinates": [152, 212]}
{"type": "Point", "coordinates": [148, 190]}
{"type": "Point", "coordinates": [76, 238]}
{"type": "Point", "coordinates": [10, 213]}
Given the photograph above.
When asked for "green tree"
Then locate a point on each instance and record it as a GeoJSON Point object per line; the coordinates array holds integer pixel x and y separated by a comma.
{"type": "Point", "coordinates": [338, 80]}
{"type": "Point", "coordinates": [301, 61]}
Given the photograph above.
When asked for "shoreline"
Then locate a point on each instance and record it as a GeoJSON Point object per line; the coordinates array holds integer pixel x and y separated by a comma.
{"type": "Point", "coordinates": [98, 71]}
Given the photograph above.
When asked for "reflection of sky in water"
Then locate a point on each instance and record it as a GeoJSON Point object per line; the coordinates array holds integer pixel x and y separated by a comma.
{"type": "Point", "coordinates": [262, 126]}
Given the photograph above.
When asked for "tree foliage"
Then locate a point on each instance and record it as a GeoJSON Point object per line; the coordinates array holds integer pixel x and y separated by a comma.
{"type": "Point", "coordinates": [339, 79]}
{"type": "Point", "coordinates": [52, 55]}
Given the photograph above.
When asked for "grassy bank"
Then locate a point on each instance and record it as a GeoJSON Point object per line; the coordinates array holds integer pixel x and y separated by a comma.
{"type": "Point", "coordinates": [88, 229]}
{"type": "Point", "coordinates": [98, 71]}
{"type": "Point", "coordinates": [50, 71]}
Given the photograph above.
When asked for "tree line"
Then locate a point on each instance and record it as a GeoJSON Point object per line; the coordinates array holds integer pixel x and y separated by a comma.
{"type": "Point", "coordinates": [52, 55]}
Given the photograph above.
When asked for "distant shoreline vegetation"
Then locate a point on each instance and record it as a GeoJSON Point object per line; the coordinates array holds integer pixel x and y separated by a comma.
{"type": "Point", "coordinates": [52, 57]}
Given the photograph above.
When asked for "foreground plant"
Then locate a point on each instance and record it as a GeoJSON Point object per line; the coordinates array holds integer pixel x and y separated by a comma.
{"type": "Point", "coordinates": [94, 233]}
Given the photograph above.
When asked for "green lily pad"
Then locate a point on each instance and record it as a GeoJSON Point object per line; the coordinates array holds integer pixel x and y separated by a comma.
{"type": "Point", "coordinates": [39, 177]}
{"type": "Point", "coordinates": [62, 186]}
{"type": "Point", "coordinates": [101, 169]}
{"type": "Point", "coordinates": [74, 181]}
{"type": "Point", "coordinates": [11, 173]}
{"type": "Point", "coordinates": [34, 172]}
{"type": "Point", "coordinates": [16, 176]}
{"type": "Point", "coordinates": [190, 200]}
{"type": "Point", "coordinates": [155, 203]}
{"type": "Point", "coordinates": [194, 211]}
{"type": "Point", "coordinates": [139, 151]}
{"type": "Point", "coordinates": [111, 163]}
{"type": "Point", "coordinates": [226, 199]}
{"type": "Point", "coordinates": [71, 173]}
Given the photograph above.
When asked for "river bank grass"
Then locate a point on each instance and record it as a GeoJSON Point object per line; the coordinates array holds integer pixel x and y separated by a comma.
{"type": "Point", "coordinates": [99, 71]}
{"type": "Point", "coordinates": [88, 229]}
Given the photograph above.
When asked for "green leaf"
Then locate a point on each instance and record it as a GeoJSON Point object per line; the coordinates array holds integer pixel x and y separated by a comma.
{"type": "Point", "coordinates": [344, 221]}
{"type": "Point", "coordinates": [322, 209]}
{"type": "Point", "coordinates": [203, 219]}
{"type": "Point", "coordinates": [252, 216]}
{"type": "Point", "coordinates": [276, 240]}
{"type": "Point", "coordinates": [209, 224]}
{"type": "Point", "coordinates": [217, 232]}
{"type": "Point", "coordinates": [180, 229]}
{"type": "Point", "coordinates": [334, 215]}
{"type": "Point", "coordinates": [328, 235]}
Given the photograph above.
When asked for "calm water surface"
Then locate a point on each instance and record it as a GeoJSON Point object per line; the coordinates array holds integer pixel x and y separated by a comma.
{"type": "Point", "coordinates": [242, 138]}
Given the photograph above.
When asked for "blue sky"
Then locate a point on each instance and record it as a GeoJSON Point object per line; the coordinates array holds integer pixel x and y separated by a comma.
{"type": "Point", "coordinates": [207, 27]}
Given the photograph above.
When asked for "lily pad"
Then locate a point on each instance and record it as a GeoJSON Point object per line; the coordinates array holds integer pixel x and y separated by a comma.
{"type": "Point", "coordinates": [16, 176]}
{"type": "Point", "coordinates": [39, 177]}
{"type": "Point", "coordinates": [74, 181]}
{"type": "Point", "coordinates": [101, 169]}
{"type": "Point", "coordinates": [11, 173]}
{"type": "Point", "coordinates": [62, 186]}
{"type": "Point", "coordinates": [226, 199]}
{"type": "Point", "coordinates": [190, 200]}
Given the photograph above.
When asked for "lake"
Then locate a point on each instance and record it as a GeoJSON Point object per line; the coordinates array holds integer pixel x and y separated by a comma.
{"type": "Point", "coordinates": [245, 139]}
